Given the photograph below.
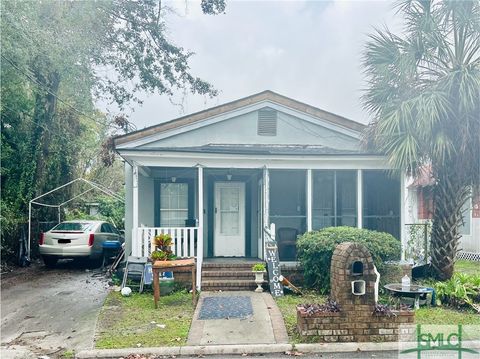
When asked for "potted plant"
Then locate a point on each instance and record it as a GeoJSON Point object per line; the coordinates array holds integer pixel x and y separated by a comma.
{"type": "Point", "coordinates": [259, 270]}
{"type": "Point", "coordinates": [163, 248]}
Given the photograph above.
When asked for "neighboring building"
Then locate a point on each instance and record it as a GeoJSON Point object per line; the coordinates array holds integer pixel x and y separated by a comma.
{"type": "Point", "coordinates": [217, 178]}
{"type": "Point", "coordinates": [420, 209]}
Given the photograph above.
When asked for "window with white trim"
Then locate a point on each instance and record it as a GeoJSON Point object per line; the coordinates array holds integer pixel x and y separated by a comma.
{"type": "Point", "coordinates": [173, 204]}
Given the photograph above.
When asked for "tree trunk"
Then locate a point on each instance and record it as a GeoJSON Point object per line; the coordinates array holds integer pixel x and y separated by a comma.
{"type": "Point", "coordinates": [45, 106]}
{"type": "Point", "coordinates": [449, 196]}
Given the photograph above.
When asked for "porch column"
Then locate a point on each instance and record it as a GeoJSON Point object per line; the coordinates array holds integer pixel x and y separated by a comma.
{"type": "Point", "coordinates": [265, 207]}
{"type": "Point", "coordinates": [403, 209]}
{"type": "Point", "coordinates": [266, 198]}
{"type": "Point", "coordinates": [136, 249]}
{"type": "Point", "coordinates": [200, 228]}
{"type": "Point", "coordinates": [359, 199]}
{"type": "Point", "coordinates": [309, 201]}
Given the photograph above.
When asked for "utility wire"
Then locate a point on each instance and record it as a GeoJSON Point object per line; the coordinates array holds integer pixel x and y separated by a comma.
{"type": "Point", "coordinates": [32, 79]}
{"type": "Point", "coordinates": [30, 118]}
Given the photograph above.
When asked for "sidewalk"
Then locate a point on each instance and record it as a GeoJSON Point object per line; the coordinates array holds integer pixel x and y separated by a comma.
{"type": "Point", "coordinates": [227, 318]}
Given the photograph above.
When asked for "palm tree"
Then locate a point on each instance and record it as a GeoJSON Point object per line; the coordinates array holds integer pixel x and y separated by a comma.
{"type": "Point", "coordinates": [424, 96]}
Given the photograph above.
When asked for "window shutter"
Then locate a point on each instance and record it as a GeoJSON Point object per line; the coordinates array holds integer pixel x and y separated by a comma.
{"type": "Point", "coordinates": [267, 122]}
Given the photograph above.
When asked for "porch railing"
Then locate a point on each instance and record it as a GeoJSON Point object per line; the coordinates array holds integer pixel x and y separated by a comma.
{"type": "Point", "coordinates": [186, 242]}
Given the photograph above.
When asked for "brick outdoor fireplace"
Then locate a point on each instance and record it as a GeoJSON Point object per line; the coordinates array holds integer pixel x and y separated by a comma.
{"type": "Point", "coordinates": [352, 282]}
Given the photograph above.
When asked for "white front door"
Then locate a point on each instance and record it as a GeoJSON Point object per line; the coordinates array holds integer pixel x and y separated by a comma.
{"type": "Point", "coordinates": [229, 239]}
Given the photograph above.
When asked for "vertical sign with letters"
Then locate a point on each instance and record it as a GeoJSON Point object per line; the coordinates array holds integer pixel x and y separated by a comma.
{"type": "Point", "coordinates": [273, 265]}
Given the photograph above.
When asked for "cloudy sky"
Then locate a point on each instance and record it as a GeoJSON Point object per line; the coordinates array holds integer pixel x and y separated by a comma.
{"type": "Point", "coordinates": [308, 50]}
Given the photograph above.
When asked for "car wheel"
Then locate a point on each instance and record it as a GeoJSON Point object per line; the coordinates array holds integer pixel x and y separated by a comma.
{"type": "Point", "coordinates": [50, 262]}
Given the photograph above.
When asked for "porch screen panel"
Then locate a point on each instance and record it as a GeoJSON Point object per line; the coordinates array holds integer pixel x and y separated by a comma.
{"type": "Point", "coordinates": [173, 204]}
{"type": "Point", "coordinates": [334, 201]}
{"type": "Point", "coordinates": [323, 202]}
{"type": "Point", "coordinates": [381, 202]}
{"type": "Point", "coordinates": [288, 209]}
{"type": "Point", "coordinates": [346, 189]}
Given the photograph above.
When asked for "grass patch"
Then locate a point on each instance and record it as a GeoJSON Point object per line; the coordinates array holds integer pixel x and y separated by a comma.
{"type": "Point", "coordinates": [467, 267]}
{"type": "Point", "coordinates": [444, 316]}
{"type": "Point", "coordinates": [288, 307]}
{"type": "Point", "coordinates": [68, 354]}
{"type": "Point", "coordinates": [127, 322]}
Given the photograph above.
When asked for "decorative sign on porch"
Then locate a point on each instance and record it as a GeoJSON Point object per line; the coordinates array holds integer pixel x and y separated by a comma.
{"type": "Point", "coordinates": [273, 263]}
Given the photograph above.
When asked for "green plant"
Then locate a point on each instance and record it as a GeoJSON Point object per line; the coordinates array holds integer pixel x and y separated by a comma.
{"type": "Point", "coordinates": [460, 290]}
{"type": "Point", "coordinates": [258, 267]}
{"type": "Point", "coordinates": [315, 250]}
{"type": "Point", "coordinates": [163, 240]}
{"type": "Point", "coordinates": [68, 354]}
{"type": "Point", "coordinates": [160, 255]}
{"type": "Point", "coordinates": [163, 250]}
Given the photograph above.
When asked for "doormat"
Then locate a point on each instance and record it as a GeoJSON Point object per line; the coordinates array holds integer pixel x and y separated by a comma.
{"type": "Point", "coordinates": [225, 307]}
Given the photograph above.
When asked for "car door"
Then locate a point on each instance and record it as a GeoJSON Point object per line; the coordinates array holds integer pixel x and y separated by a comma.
{"type": "Point", "coordinates": [106, 233]}
{"type": "Point", "coordinates": [115, 233]}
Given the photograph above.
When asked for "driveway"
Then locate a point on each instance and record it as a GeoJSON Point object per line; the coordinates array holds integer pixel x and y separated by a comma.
{"type": "Point", "coordinates": [50, 311]}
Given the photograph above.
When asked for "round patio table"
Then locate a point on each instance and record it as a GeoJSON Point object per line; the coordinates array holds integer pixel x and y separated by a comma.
{"type": "Point", "coordinates": [411, 291]}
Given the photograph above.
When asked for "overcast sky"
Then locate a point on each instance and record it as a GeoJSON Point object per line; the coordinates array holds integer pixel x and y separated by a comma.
{"type": "Point", "coordinates": [307, 50]}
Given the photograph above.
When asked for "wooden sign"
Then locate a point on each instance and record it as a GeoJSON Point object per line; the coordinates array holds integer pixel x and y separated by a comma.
{"type": "Point", "coordinates": [273, 265]}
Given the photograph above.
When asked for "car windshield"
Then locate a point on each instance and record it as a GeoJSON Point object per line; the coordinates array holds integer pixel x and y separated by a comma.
{"type": "Point", "coordinates": [74, 226]}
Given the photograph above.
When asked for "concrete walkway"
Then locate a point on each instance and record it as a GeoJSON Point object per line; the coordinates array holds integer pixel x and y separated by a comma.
{"type": "Point", "coordinates": [224, 318]}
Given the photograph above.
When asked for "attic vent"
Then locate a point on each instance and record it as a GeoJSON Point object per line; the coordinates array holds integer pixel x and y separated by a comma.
{"type": "Point", "coordinates": [267, 122]}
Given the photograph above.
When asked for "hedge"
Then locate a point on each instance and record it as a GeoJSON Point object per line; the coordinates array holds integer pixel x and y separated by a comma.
{"type": "Point", "coordinates": [315, 250]}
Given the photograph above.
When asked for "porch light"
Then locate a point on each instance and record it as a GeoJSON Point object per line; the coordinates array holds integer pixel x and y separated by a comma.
{"type": "Point", "coordinates": [229, 177]}
{"type": "Point", "coordinates": [174, 179]}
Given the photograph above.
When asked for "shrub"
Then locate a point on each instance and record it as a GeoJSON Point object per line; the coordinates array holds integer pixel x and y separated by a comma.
{"type": "Point", "coordinates": [460, 290]}
{"type": "Point", "coordinates": [315, 250]}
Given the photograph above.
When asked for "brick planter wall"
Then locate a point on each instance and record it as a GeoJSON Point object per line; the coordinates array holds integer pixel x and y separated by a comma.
{"type": "Point", "coordinates": [354, 326]}
{"type": "Point", "coordinates": [355, 322]}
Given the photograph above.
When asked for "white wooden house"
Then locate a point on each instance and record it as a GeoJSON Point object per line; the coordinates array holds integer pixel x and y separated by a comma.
{"type": "Point", "coordinates": [216, 178]}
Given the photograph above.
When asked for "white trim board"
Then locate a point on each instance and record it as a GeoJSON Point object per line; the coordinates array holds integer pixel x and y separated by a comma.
{"type": "Point", "coordinates": [191, 159]}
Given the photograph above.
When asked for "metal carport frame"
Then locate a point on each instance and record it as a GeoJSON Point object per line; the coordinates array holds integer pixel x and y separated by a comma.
{"type": "Point", "coordinates": [93, 186]}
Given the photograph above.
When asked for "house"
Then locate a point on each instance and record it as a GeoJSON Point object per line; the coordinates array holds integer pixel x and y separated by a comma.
{"type": "Point", "coordinates": [217, 178]}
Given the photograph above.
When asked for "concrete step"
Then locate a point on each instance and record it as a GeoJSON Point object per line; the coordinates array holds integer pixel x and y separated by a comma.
{"type": "Point", "coordinates": [228, 285]}
{"type": "Point", "coordinates": [228, 266]}
{"type": "Point", "coordinates": [237, 274]}
{"type": "Point", "coordinates": [228, 289]}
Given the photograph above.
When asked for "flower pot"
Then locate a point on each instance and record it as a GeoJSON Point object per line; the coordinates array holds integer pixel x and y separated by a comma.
{"type": "Point", "coordinates": [259, 281]}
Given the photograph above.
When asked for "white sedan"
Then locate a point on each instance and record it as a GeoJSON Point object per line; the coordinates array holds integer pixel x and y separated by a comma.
{"type": "Point", "coordinates": [77, 239]}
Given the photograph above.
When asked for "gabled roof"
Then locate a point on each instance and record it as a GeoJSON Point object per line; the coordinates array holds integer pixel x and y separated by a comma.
{"type": "Point", "coordinates": [237, 104]}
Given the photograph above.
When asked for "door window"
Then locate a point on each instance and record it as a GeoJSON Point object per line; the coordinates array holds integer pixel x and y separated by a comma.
{"type": "Point", "coordinates": [229, 211]}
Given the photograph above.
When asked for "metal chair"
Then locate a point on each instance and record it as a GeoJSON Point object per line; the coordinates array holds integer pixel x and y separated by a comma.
{"type": "Point", "coordinates": [134, 268]}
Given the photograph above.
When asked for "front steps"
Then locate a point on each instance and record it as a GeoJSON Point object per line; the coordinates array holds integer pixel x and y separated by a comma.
{"type": "Point", "coordinates": [228, 276]}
